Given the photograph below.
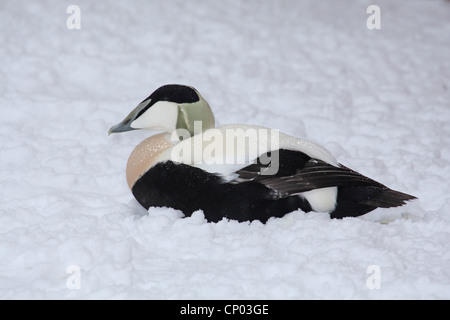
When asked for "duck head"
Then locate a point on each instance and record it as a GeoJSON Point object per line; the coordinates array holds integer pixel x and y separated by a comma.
{"type": "Point", "coordinates": [169, 108]}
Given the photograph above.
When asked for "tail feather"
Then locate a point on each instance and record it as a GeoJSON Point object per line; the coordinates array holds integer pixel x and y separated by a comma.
{"type": "Point", "coordinates": [353, 201]}
{"type": "Point", "coordinates": [387, 198]}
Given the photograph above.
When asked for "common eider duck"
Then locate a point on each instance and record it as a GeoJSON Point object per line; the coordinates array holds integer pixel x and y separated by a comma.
{"type": "Point", "coordinates": [237, 172]}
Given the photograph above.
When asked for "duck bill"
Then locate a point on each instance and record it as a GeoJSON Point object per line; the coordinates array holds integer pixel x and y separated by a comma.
{"type": "Point", "coordinates": [124, 126]}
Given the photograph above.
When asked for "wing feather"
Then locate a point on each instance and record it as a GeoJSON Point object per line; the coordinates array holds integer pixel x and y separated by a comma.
{"type": "Point", "coordinates": [303, 175]}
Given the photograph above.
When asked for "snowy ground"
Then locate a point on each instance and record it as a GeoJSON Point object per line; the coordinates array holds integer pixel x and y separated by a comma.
{"type": "Point", "coordinates": [379, 100]}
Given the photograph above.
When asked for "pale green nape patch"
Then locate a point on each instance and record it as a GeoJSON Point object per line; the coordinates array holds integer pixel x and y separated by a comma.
{"type": "Point", "coordinates": [188, 114]}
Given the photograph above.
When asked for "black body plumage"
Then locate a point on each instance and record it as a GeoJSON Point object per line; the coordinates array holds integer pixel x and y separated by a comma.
{"type": "Point", "coordinates": [253, 196]}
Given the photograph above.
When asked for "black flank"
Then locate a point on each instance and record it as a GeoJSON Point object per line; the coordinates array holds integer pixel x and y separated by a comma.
{"type": "Point", "coordinates": [254, 196]}
{"type": "Point", "coordinates": [189, 189]}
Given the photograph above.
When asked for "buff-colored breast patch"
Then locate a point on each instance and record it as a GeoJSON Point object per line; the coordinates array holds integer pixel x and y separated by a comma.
{"type": "Point", "coordinates": [144, 156]}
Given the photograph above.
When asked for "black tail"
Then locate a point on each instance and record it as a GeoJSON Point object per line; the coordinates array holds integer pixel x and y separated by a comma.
{"type": "Point", "coordinates": [353, 201]}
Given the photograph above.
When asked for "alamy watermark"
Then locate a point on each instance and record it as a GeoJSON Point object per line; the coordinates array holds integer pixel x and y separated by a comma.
{"type": "Point", "coordinates": [374, 279]}
{"type": "Point", "coordinates": [73, 22]}
{"type": "Point", "coordinates": [73, 282]}
{"type": "Point", "coordinates": [374, 20]}
{"type": "Point", "coordinates": [229, 146]}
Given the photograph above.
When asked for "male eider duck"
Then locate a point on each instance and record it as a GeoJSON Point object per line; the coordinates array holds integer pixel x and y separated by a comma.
{"type": "Point", "coordinates": [237, 172]}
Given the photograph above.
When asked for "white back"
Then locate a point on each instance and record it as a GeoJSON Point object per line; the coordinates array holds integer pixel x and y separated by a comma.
{"type": "Point", "coordinates": [204, 152]}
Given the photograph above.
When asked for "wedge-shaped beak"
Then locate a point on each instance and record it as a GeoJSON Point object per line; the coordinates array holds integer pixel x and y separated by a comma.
{"type": "Point", "coordinates": [125, 125]}
{"type": "Point", "coordinates": [120, 127]}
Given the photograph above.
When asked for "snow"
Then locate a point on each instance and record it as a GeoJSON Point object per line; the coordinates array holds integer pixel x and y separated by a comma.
{"type": "Point", "coordinates": [377, 99]}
